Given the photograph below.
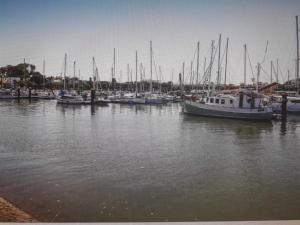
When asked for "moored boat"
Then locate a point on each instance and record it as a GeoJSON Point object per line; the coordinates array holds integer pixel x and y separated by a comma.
{"type": "Point", "coordinates": [249, 106]}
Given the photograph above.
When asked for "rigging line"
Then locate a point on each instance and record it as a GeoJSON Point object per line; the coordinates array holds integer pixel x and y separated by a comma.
{"type": "Point", "coordinates": [195, 53]}
{"type": "Point", "coordinates": [265, 72]}
{"type": "Point", "coordinates": [250, 63]}
{"type": "Point", "coordinates": [209, 66]}
{"type": "Point", "coordinates": [281, 73]}
{"type": "Point", "coordinates": [266, 51]}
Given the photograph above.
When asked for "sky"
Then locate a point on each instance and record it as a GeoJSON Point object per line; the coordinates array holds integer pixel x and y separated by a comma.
{"type": "Point", "coordinates": [40, 30]}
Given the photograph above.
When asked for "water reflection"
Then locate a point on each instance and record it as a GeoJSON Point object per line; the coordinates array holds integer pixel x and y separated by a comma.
{"type": "Point", "coordinates": [242, 128]}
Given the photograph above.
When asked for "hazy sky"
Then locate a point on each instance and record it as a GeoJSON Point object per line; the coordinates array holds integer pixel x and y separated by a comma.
{"type": "Point", "coordinates": [40, 29]}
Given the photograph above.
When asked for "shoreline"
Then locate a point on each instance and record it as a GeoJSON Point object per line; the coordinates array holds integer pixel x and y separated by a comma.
{"type": "Point", "coordinates": [10, 213]}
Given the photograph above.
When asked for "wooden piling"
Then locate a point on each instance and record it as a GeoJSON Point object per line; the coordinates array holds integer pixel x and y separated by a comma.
{"type": "Point", "coordinates": [19, 94]}
{"type": "Point", "coordinates": [284, 107]}
{"type": "Point", "coordinates": [92, 96]}
{"type": "Point", "coordinates": [29, 94]}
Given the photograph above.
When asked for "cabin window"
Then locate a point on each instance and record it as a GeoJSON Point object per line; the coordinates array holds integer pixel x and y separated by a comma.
{"type": "Point", "coordinates": [231, 101]}
{"type": "Point", "coordinates": [217, 101]}
{"type": "Point", "coordinates": [207, 99]}
{"type": "Point", "coordinates": [222, 101]}
{"type": "Point", "coordinates": [212, 100]}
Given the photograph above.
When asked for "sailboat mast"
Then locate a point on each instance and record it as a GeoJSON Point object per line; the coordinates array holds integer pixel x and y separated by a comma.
{"type": "Point", "coordinates": [297, 60]}
{"type": "Point", "coordinates": [128, 87]}
{"type": "Point", "coordinates": [257, 79]}
{"type": "Point", "coordinates": [225, 79]}
{"type": "Point", "coordinates": [141, 78]}
{"type": "Point", "coordinates": [94, 73]}
{"type": "Point", "coordinates": [219, 62]}
{"type": "Point", "coordinates": [74, 75]}
{"type": "Point", "coordinates": [136, 83]}
{"type": "Point", "coordinates": [24, 72]}
{"type": "Point", "coordinates": [210, 64]}
{"type": "Point", "coordinates": [65, 71]}
{"type": "Point", "coordinates": [197, 75]}
{"type": "Point", "coordinates": [277, 71]}
{"type": "Point", "coordinates": [44, 74]}
{"type": "Point", "coordinates": [151, 67]}
{"type": "Point", "coordinates": [245, 63]}
{"type": "Point", "coordinates": [183, 73]}
{"type": "Point", "coordinates": [271, 71]}
{"type": "Point", "coordinates": [191, 77]}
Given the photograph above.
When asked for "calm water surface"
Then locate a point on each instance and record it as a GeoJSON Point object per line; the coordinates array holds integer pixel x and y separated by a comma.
{"type": "Point", "coordinates": [142, 163]}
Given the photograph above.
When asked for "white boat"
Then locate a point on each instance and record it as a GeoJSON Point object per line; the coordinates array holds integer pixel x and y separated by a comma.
{"type": "Point", "coordinates": [292, 105]}
{"type": "Point", "coordinates": [6, 94]}
{"type": "Point", "coordinates": [154, 99]}
{"type": "Point", "coordinates": [249, 106]}
{"type": "Point", "coordinates": [40, 94]}
{"type": "Point", "coordinates": [72, 99]}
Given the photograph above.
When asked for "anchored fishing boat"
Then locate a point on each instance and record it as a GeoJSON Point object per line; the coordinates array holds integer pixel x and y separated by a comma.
{"type": "Point", "coordinates": [246, 105]}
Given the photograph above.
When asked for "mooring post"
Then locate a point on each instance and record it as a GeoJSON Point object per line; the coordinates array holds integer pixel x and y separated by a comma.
{"type": "Point", "coordinates": [29, 94]}
{"type": "Point", "coordinates": [284, 107]}
{"type": "Point", "coordinates": [19, 94]}
{"type": "Point", "coordinates": [92, 96]}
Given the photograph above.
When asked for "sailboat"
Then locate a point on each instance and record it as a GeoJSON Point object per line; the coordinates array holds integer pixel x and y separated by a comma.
{"type": "Point", "coordinates": [293, 102]}
{"type": "Point", "coordinates": [152, 98]}
{"type": "Point", "coordinates": [65, 97]}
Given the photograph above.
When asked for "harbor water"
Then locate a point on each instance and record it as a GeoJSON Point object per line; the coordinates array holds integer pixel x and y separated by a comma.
{"type": "Point", "coordinates": [146, 163]}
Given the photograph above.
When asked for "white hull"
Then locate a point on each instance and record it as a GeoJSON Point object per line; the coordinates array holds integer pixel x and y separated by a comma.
{"type": "Point", "coordinates": [201, 109]}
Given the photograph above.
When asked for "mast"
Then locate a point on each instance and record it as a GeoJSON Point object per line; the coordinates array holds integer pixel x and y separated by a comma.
{"type": "Point", "coordinates": [297, 60]}
{"type": "Point", "coordinates": [288, 81]}
{"type": "Point", "coordinates": [160, 78]}
{"type": "Point", "coordinates": [277, 71]}
{"type": "Point", "coordinates": [44, 75]}
{"type": "Point", "coordinates": [136, 83]}
{"type": "Point", "coordinates": [94, 78]}
{"type": "Point", "coordinates": [226, 62]}
{"type": "Point", "coordinates": [141, 78]}
{"type": "Point", "coordinates": [245, 52]}
{"type": "Point", "coordinates": [219, 61]}
{"type": "Point", "coordinates": [258, 71]}
{"type": "Point", "coordinates": [114, 69]}
{"type": "Point", "coordinates": [191, 78]}
{"type": "Point", "coordinates": [24, 72]}
{"type": "Point", "coordinates": [74, 75]}
{"type": "Point", "coordinates": [65, 71]}
{"type": "Point", "coordinates": [197, 75]}
{"type": "Point", "coordinates": [210, 64]}
{"type": "Point", "coordinates": [151, 67]}
{"type": "Point", "coordinates": [128, 77]}
{"type": "Point", "coordinates": [271, 71]}
{"type": "Point", "coordinates": [183, 73]}
{"type": "Point", "coordinates": [96, 75]}
{"type": "Point", "coordinates": [79, 81]}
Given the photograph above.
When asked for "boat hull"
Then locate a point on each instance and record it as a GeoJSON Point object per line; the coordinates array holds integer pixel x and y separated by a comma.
{"type": "Point", "coordinates": [206, 110]}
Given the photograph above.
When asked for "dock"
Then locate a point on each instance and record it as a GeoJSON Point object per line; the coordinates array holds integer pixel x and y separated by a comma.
{"type": "Point", "coordinates": [10, 213]}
